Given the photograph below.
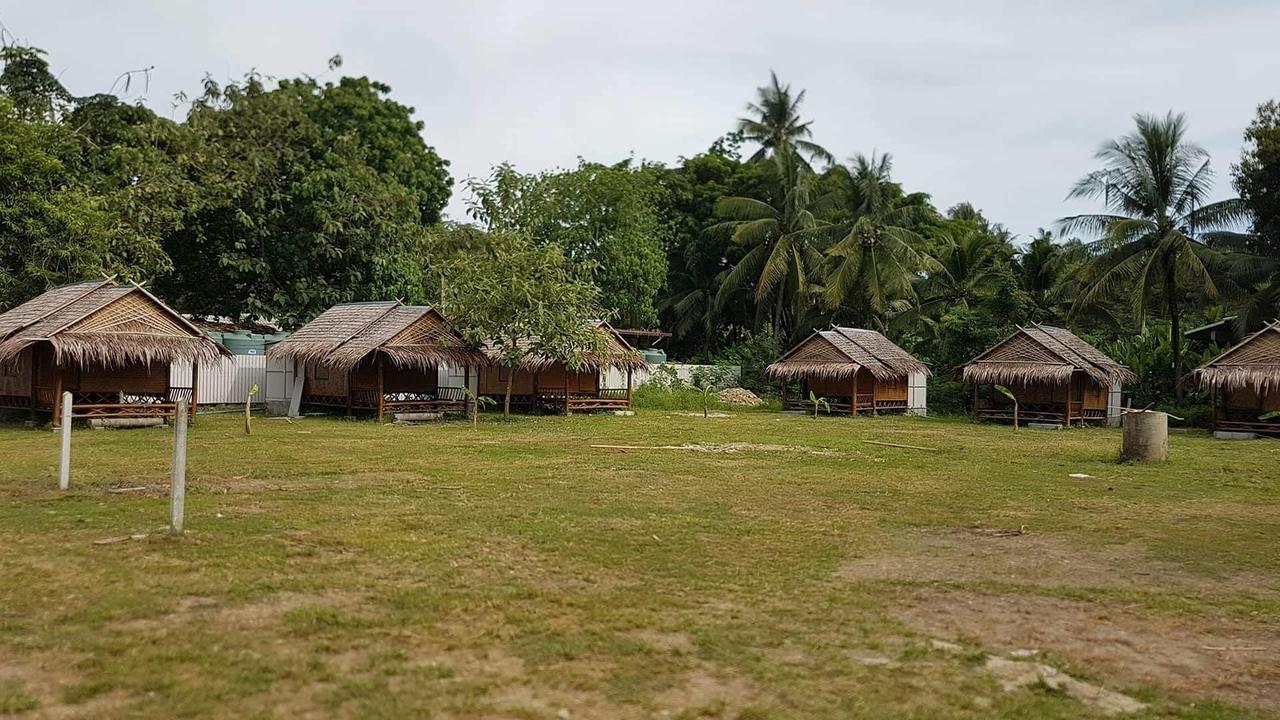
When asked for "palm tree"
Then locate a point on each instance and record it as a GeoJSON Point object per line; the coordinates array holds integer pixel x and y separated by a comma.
{"type": "Point", "coordinates": [1046, 270]}
{"type": "Point", "coordinates": [874, 261]}
{"type": "Point", "coordinates": [777, 127]}
{"type": "Point", "coordinates": [969, 267]}
{"type": "Point", "coordinates": [1158, 232]}
{"type": "Point", "coordinates": [784, 257]}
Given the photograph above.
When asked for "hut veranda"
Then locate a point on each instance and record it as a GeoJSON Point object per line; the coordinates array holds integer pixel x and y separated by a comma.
{"type": "Point", "coordinates": [1055, 376]}
{"type": "Point", "coordinates": [1245, 382]}
{"type": "Point", "coordinates": [854, 371]}
{"type": "Point", "coordinates": [108, 344]}
{"type": "Point", "coordinates": [539, 382]}
{"type": "Point", "coordinates": [377, 358]}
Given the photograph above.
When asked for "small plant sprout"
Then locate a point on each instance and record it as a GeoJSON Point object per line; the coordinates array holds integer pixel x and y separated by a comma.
{"type": "Point", "coordinates": [474, 402]}
{"type": "Point", "coordinates": [819, 401]}
{"type": "Point", "coordinates": [711, 380]}
{"type": "Point", "coordinates": [248, 429]}
{"type": "Point", "coordinates": [1009, 394]}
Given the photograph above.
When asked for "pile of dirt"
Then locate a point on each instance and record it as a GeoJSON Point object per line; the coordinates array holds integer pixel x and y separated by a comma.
{"type": "Point", "coordinates": [738, 396]}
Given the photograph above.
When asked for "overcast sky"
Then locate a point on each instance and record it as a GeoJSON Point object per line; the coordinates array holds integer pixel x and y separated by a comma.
{"type": "Point", "coordinates": [998, 103]}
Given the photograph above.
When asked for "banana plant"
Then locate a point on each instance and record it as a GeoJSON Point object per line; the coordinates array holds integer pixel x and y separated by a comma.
{"type": "Point", "coordinates": [1009, 394]}
{"type": "Point", "coordinates": [248, 429]}
{"type": "Point", "coordinates": [474, 401]}
{"type": "Point", "coordinates": [818, 401]}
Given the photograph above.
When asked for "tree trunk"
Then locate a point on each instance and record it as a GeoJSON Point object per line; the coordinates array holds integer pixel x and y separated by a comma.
{"type": "Point", "coordinates": [506, 399]}
{"type": "Point", "coordinates": [1175, 334]}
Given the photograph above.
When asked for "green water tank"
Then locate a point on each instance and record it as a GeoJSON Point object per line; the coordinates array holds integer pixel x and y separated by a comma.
{"type": "Point", "coordinates": [242, 342]}
{"type": "Point", "coordinates": [654, 356]}
{"type": "Point", "coordinates": [273, 338]}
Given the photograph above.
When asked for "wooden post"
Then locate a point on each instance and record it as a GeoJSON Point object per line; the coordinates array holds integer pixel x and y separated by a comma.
{"type": "Point", "coordinates": [350, 390]}
{"type": "Point", "coordinates": [178, 481]}
{"type": "Point", "coordinates": [57, 395]}
{"type": "Point", "coordinates": [195, 388]}
{"type": "Point", "coordinates": [853, 401]}
{"type": "Point", "coordinates": [628, 388]}
{"type": "Point", "coordinates": [381, 399]}
{"type": "Point", "coordinates": [64, 465]}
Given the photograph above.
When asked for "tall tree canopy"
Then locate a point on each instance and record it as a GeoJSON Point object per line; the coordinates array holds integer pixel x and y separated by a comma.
{"type": "Point", "coordinates": [309, 195]}
{"type": "Point", "coordinates": [606, 216]}
{"type": "Point", "coordinates": [774, 122]}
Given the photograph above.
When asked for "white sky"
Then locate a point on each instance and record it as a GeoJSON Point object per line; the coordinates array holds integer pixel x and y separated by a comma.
{"type": "Point", "coordinates": [998, 103]}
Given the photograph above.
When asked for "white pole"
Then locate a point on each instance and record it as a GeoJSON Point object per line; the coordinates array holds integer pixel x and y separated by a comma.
{"type": "Point", "coordinates": [64, 468]}
{"type": "Point", "coordinates": [178, 484]}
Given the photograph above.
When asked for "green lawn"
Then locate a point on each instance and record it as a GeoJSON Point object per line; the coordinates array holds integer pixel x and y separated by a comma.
{"type": "Point", "coordinates": [348, 569]}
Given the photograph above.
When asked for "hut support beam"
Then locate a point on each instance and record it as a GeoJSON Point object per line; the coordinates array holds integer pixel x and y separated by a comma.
{"type": "Point", "coordinates": [350, 392]}
{"type": "Point", "coordinates": [57, 394]}
{"type": "Point", "coordinates": [628, 388]}
{"type": "Point", "coordinates": [853, 401]}
{"type": "Point", "coordinates": [195, 389]}
{"type": "Point", "coordinates": [381, 399]}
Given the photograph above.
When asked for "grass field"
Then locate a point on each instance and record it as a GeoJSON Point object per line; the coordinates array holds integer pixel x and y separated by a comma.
{"type": "Point", "coordinates": [785, 568]}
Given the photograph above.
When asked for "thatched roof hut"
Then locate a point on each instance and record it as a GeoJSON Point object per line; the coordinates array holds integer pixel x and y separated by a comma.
{"type": "Point", "coordinates": [105, 324]}
{"type": "Point", "coordinates": [618, 354]}
{"type": "Point", "coordinates": [1253, 363]}
{"type": "Point", "coordinates": [1043, 354]}
{"type": "Point", "coordinates": [410, 336]}
{"type": "Point", "coordinates": [842, 352]}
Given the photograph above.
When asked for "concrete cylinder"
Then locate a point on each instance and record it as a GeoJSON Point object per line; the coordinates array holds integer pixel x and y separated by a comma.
{"type": "Point", "coordinates": [1146, 436]}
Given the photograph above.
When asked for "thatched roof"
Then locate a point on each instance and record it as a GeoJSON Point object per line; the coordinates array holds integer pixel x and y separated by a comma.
{"type": "Point", "coordinates": [1252, 363]}
{"type": "Point", "coordinates": [409, 335]}
{"type": "Point", "coordinates": [840, 352]}
{"type": "Point", "coordinates": [1042, 353]}
{"type": "Point", "coordinates": [101, 322]}
{"type": "Point", "coordinates": [618, 353]}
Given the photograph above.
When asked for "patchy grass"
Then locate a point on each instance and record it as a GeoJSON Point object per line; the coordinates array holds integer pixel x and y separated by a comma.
{"type": "Point", "coordinates": [349, 569]}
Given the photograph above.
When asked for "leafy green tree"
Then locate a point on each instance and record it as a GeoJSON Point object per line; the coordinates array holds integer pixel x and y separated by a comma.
{"type": "Point", "coordinates": [697, 258]}
{"type": "Point", "coordinates": [36, 93]}
{"type": "Point", "coordinates": [52, 229]}
{"type": "Point", "coordinates": [775, 124]}
{"type": "Point", "coordinates": [1159, 231]}
{"type": "Point", "coordinates": [606, 216]}
{"type": "Point", "coordinates": [1047, 272]}
{"type": "Point", "coordinates": [1257, 179]}
{"type": "Point", "coordinates": [304, 201]}
{"type": "Point", "coordinates": [524, 297]}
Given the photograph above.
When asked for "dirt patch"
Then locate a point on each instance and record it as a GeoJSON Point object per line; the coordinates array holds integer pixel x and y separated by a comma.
{"type": "Point", "coordinates": [990, 555]}
{"type": "Point", "coordinates": [45, 678]}
{"type": "Point", "coordinates": [676, 643]}
{"type": "Point", "coordinates": [1234, 662]}
{"type": "Point", "coordinates": [707, 693]}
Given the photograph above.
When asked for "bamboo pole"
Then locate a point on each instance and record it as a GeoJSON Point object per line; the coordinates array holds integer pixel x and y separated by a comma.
{"type": "Point", "coordinates": [64, 465]}
{"type": "Point", "coordinates": [178, 482]}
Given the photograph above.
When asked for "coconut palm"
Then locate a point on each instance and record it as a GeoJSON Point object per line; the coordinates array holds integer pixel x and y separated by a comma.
{"type": "Point", "coordinates": [775, 124]}
{"type": "Point", "coordinates": [1047, 270]}
{"type": "Point", "coordinates": [784, 241]}
{"type": "Point", "coordinates": [874, 261]}
{"type": "Point", "coordinates": [1158, 234]}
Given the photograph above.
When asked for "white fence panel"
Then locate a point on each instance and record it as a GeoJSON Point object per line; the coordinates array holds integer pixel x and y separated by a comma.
{"type": "Point", "coordinates": [614, 378]}
{"type": "Point", "coordinates": [225, 381]}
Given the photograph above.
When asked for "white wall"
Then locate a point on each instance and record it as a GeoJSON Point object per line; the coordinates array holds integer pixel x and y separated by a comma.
{"type": "Point", "coordinates": [918, 394]}
{"type": "Point", "coordinates": [226, 380]}
{"type": "Point", "coordinates": [1113, 406]}
{"type": "Point", "coordinates": [614, 378]}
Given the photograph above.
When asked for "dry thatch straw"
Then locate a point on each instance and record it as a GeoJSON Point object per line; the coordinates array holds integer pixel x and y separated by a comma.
{"type": "Point", "coordinates": [1043, 354]}
{"type": "Point", "coordinates": [102, 323]}
{"type": "Point", "coordinates": [618, 354]}
{"type": "Point", "coordinates": [841, 352]}
{"type": "Point", "coordinates": [410, 336]}
{"type": "Point", "coordinates": [1251, 363]}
